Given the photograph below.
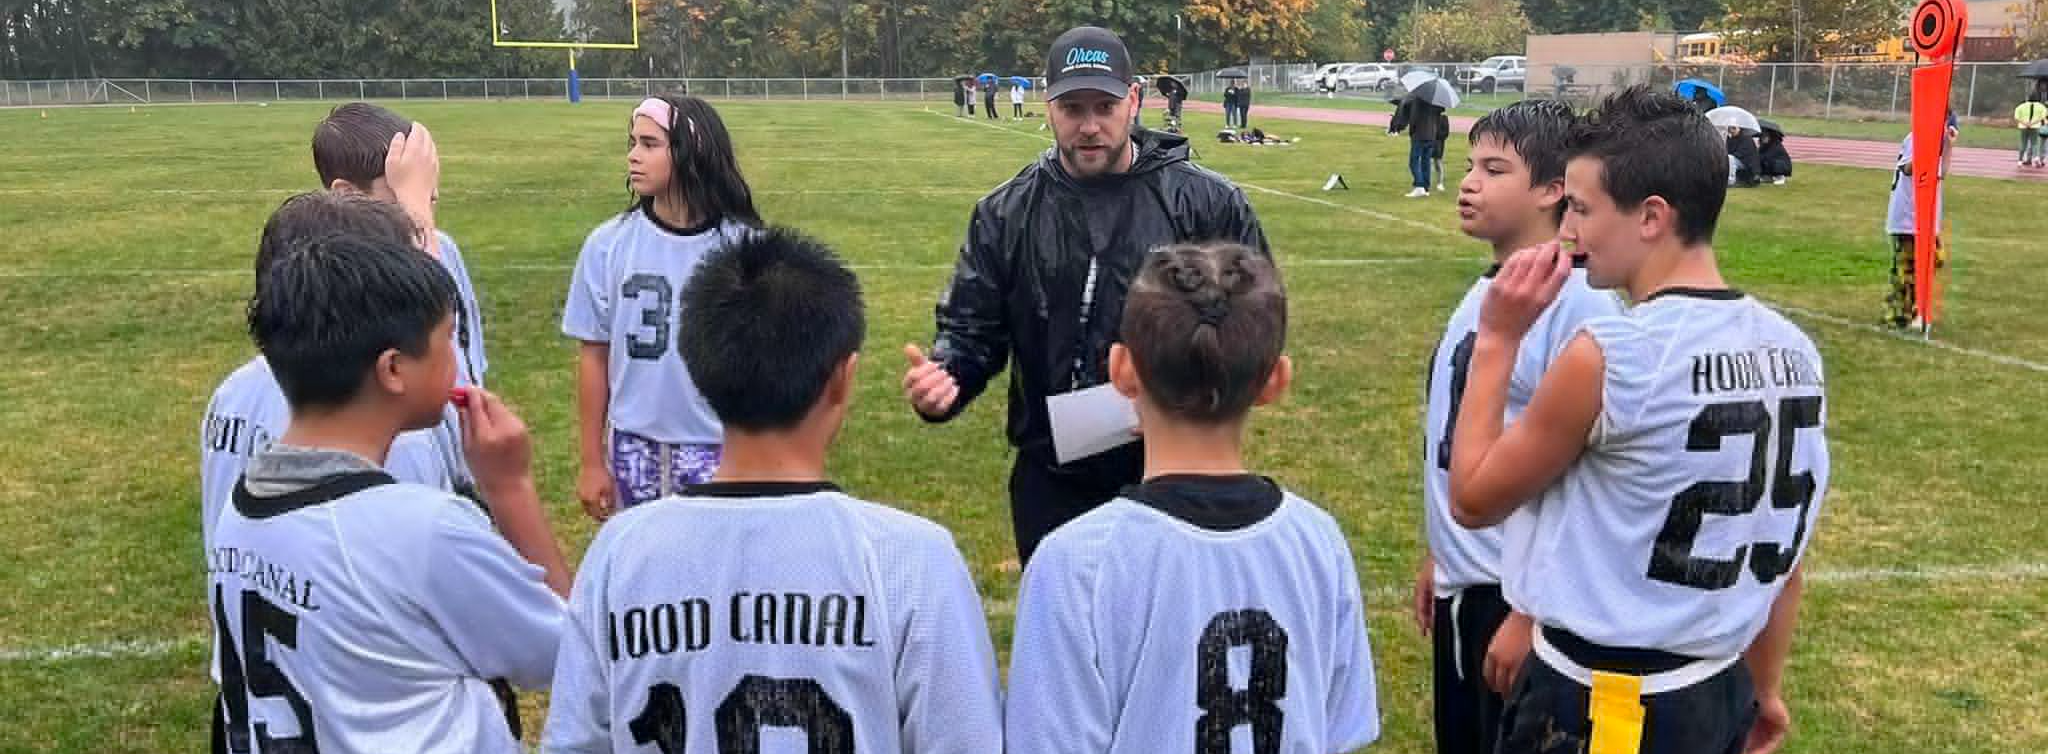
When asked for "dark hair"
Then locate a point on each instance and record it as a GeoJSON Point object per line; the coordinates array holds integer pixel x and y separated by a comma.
{"type": "Point", "coordinates": [1651, 143]}
{"type": "Point", "coordinates": [328, 307]}
{"type": "Point", "coordinates": [352, 142]}
{"type": "Point", "coordinates": [765, 320]}
{"type": "Point", "coordinates": [1204, 325]}
{"type": "Point", "coordinates": [703, 166]}
{"type": "Point", "coordinates": [1536, 129]}
{"type": "Point", "coordinates": [315, 214]}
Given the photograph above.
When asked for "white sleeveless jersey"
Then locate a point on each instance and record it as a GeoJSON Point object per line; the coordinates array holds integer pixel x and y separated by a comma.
{"type": "Point", "coordinates": [760, 617]}
{"type": "Point", "coordinates": [368, 619]}
{"type": "Point", "coordinates": [1699, 489]}
{"type": "Point", "coordinates": [1471, 557]}
{"type": "Point", "coordinates": [1139, 632]}
{"type": "Point", "coordinates": [626, 292]}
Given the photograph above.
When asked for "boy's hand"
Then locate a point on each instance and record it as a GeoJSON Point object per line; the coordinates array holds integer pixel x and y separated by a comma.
{"type": "Point", "coordinates": [1425, 595]}
{"type": "Point", "coordinates": [1525, 286]}
{"type": "Point", "coordinates": [930, 388]}
{"type": "Point", "coordinates": [1773, 723]}
{"type": "Point", "coordinates": [1508, 650]}
{"type": "Point", "coordinates": [412, 167]}
{"type": "Point", "coordinates": [495, 442]}
{"type": "Point", "coordinates": [594, 488]}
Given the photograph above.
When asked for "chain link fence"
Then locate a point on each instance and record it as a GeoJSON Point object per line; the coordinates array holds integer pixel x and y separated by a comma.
{"type": "Point", "coordinates": [1847, 91]}
{"type": "Point", "coordinates": [162, 91]}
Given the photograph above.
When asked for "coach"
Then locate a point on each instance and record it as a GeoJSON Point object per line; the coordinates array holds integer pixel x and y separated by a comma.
{"type": "Point", "coordinates": [1043, 272]}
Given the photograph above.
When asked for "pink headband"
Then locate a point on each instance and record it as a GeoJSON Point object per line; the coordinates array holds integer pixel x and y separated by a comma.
{"type": "Point", "coordinates": [662, 113]}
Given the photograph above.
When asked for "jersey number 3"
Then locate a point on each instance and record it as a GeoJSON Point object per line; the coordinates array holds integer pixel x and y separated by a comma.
{"type": "Point", "coordinates": [1257, 704]}
{"type": "Point", "coordinates": [757, 701]}
{"type": "Point", "coordinates": [1672, 561]}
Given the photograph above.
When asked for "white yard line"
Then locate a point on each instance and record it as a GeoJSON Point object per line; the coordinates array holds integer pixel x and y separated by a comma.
{"type": "Point", "coordinates": [1997, 358]}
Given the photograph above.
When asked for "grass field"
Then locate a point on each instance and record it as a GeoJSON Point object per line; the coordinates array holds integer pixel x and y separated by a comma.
{"type": "Point", "coordinates": [128, 238]}
{"type": "Point", "coordinates": [1991, 134]}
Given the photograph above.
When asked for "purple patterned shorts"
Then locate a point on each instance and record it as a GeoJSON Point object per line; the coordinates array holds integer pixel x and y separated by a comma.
{"type": "Point", "coordinates": [644, 469]}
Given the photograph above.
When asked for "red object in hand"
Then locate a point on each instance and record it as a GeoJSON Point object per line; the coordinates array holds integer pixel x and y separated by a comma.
{"type": "Point", "coordinates": [459, 396]}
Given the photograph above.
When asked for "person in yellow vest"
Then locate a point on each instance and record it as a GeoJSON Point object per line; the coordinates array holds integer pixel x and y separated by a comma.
{"type": "Point", "coordinates": [2032, 117]}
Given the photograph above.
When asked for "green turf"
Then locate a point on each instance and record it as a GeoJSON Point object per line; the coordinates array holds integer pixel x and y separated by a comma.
{"type": "Point", "coordinates": [128, 238]}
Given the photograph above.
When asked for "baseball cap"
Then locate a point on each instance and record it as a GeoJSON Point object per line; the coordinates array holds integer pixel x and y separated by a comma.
{"type": "Point", "coordinates": [1087, 57]}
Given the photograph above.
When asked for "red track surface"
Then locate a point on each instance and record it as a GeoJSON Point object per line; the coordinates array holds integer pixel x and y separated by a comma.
{"type": "Point", "coordinates": [1971, 161]}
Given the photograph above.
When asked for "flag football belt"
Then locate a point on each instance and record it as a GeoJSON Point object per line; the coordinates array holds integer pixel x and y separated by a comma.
{"type": "Point", "coordinates": [1626, 676]}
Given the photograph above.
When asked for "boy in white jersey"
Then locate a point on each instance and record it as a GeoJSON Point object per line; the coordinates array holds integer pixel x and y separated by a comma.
{"type": "Point", "coordinates": [358, 613]}
{"type": "Point", "coordinates": [766, 610]}
{"type": "Point", "coordinates": [1672, 462]}
{"type": "Point", "coordinates": [644, 431]}
{"type": "Point", "coordinates": [1512, 197]}
{"type": "Point", "coordinates": [1207, 609]}
{"type": "Point", "coordinates": [248, 410]}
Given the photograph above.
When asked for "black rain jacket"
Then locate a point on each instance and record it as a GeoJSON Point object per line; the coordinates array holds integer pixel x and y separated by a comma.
{"type": "Point", "coordinates": [1017, 287]}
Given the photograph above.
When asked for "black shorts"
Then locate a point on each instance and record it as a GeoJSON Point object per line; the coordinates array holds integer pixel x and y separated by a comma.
{"type": "Point", "coordinates": [1548, 711]}
{"type": "Point", "coordinates": [1467, 712]}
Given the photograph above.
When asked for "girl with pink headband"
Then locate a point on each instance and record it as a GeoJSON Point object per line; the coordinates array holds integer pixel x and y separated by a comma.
{"type": "Point", "coordinates": [645, 432]}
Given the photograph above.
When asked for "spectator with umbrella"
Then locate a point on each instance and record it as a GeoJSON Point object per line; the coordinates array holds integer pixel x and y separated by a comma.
{"type": "Point", "coordinates": [1017, 86]}
{"type": "Point", "coordinates": [1742, 128]}
{"type": "Point", "coordinates": [1231, 94]}
{"type": "Point", "coordinates": [1176, 92]}
{"type": "Point", "coordinates": [1702, 93]}
{"type": "Point", "coordinates": [1421, 114]}
{"type": "Point", "coordinates": [2038, 71]}
{"type": "Point", "coordinates": [963, 95]}
{"type": "Point", "coordinates": [2031, 116]}
{"type": "Point", "coordinates": [1774, 163]}
{"type": "Point", "coordinates": [988, 95]}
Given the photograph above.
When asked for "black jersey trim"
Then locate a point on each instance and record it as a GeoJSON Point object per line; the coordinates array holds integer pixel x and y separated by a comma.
{"type": "Point", "coordinates": [1710, 294]}
{"type": "Point", "coordinates": [252, 505]}
{"type": "Point", "coordinates": [758, 489]}
{"type": "Point", "coordinates": [647, 208]}
{"type": "Point", "coordinates": [1214, 502]}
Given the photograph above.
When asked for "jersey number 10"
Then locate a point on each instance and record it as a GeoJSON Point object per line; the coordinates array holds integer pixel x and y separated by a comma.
{"type": "Point", "coordinates": [757, 701]}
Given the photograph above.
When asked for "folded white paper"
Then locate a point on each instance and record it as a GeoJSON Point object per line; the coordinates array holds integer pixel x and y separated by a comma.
{"type": "Point", "coordinates": [1089, 421]}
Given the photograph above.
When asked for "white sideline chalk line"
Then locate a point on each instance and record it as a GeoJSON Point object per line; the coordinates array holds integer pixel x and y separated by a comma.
{"type": "Point", "coordinates": [1382, 597]}
{"type": "Point", "coordinates": [1998, 358]}
{"type": "Point", "coordinates": [493, 192]}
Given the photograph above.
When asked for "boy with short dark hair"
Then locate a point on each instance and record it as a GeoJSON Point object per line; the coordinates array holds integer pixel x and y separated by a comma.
{"type": "Point", "coordinates": [1664, 587]}
{"type": "Point", "coordinates": [1512, 197]}
{"type": "Point", "coordinates": [768, 600]}
{"type": "Point", "coordinates": [358, 613]}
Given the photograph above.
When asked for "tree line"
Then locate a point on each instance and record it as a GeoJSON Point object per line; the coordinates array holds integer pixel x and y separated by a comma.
{"type": "Point", "coordinates": [814, 38]}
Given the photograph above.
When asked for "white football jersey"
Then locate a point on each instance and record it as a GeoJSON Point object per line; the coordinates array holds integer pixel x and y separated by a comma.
{"type": "Point", "coordinates": [626, 292]}
{"type": "Point", "coordinates": [469, 318]}
{"type": "Point", "coordinates": [364, 615]}
{"type": "Point", "coordinates": [1471, 557]}
{"type": "Point", "coordinates": [759, 617]}
{"type": "Point", "coordinates": [1698, 490]}
{"type": "Point", "coordinates": [1222, 615]}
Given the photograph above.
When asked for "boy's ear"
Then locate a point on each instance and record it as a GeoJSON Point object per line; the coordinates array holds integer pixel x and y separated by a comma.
{"type": "Point", "coordinates": [1277, 382]}
{"type": "Point", "coordinates": [1552, 195]}
{"type": "Point", "coordinates": [1658, 219]}
{"type": "Point", "coordinates": [343, 186]}
{"type": "Point", "coordinates": [385, 372]}
{"type": "Point", "coordinates": [1123, 372]}
{"type": "Point", "coordinates": [839, 388]}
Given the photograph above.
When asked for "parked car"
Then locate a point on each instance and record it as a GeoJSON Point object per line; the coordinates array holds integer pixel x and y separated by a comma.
{"type": "Point", "coordinates": [1496, 72]}
{"type": "Point", "coordinates": [1378, 77]}
{"type": "Point", "coordinates": [1313, 80]}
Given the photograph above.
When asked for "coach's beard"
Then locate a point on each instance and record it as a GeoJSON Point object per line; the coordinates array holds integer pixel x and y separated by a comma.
{"type": "Point", "coordinates": [1113, 156]}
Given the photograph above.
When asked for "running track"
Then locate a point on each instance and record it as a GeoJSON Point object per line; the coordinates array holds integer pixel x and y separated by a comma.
{"type": "Point", "coordinates": [1971, 161]}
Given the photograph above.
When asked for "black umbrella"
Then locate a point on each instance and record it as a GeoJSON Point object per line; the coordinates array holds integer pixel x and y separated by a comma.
{"type": "Point", "coordinates": [1231, 73]}
{"type": "Point", "coordinates": [1171, 87]}
{"type": "Point", "coordinates": [1435, 92]}
{"type": "Point", "coordinates": [1770, 127]}
{"type": "Point", "coordinates": [2035, 70]}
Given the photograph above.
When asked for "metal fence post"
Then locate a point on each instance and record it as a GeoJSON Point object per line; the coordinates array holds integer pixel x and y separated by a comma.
{"type": "Point", "coordinates": [146, 96]}
{"type": "Point", "coordinates": [1771, 102]}
{"type": "Point", "coordinates": [1894, 111]}
{"type": "Point", "coordinates": [842, 88]}
{"type": "Point", "coordinates": [1720, 78]}
{"type": "Point", "coordinates": [1970, 107]}
{"type": "Point", "coordinates": [444, 89]}
{"type": "Point", "coordinates": [807, 89]}
{"type": "Point", "coordinates": [235, 91]}
{"type": "Point", "coordinates": [1828, 112]}
{"type": "Point", "coordinates": [728, 88]}
{"type": "Point", "coordinates": [528, 86]}
{"type": "Point", "coordinates": [401, 88]}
